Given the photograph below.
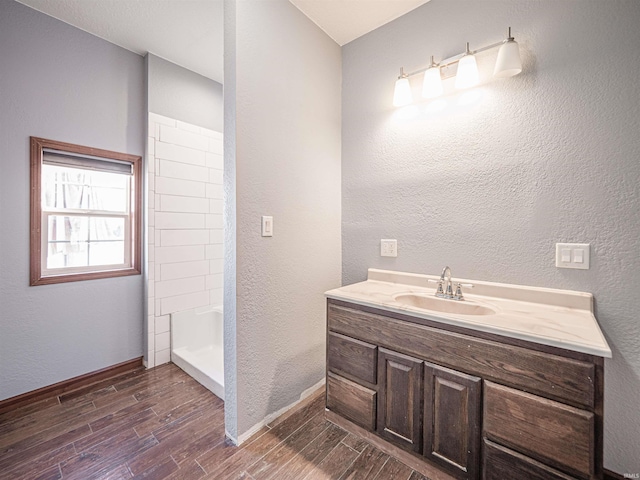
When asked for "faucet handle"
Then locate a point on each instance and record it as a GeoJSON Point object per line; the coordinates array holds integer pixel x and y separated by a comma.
{"type": "Point", "coordinates": [439, 290]}
{"type": "Point", "coordinates": [458, 295]}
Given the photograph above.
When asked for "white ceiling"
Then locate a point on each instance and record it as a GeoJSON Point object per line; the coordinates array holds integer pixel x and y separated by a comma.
{"type": "Point", "coordinates": [186, 32]}
{"type": "Point", "coordinates": [346, 20]}
{"type": "Point", "coordinates": [189, 33]}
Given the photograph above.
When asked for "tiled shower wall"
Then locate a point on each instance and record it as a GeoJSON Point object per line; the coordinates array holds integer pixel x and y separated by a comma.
{"type": "Point", "coordinates": [185, 225]}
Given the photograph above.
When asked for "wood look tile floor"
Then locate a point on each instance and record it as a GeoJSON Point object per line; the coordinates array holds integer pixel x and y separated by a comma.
{"type": "Point", "coordinates": [162, 424]}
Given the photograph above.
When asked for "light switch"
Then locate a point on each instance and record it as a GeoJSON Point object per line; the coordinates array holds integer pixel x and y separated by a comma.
{"type": "Point", "coordinates": [572, 255]}
{"type": "Point", "coordinates": [267, 226]}
{"type": "Point", "coordinates": [578, 255]}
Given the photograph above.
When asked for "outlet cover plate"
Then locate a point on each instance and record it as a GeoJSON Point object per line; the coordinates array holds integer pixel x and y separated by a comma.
{"type": "Point", "coordinates": [388, 248]}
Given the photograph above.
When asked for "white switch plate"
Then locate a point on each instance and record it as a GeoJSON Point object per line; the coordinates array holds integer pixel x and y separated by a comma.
{"type": "Point", "coordinates": [388, 248]}
{"type": "Point", "coordinates": [572, 255]}
{"type": "Point", "coordinates": [267, 226]}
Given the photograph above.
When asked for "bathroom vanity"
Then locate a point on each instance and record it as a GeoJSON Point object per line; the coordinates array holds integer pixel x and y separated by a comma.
{"type": "Point", "coordinates": [510, 388]}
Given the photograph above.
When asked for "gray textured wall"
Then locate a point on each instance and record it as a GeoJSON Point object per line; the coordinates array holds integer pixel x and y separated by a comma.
{"type": "Point", "coordinates": [176, 92]}
{"type": "Point", "coordinates": [548, 156]}
{"type": "Point", "coordinates": [286, 115]}
{"type": "Point", "coordinates": [60, 83]}
{"type": "Point", "coordinates": [229, 216]}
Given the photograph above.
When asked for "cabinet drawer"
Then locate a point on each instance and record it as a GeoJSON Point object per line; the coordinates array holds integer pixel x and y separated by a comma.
{"type": "Point", "coordinates": [553, 376]}
{"type": "Point", "coordinates": [501, 463]}
{"type": "Point", "coordinates": [352, 401]}
{"type": "Point", "coordinates": [352, 357]}
{"type": "Point", "coordinates": [557, 434]}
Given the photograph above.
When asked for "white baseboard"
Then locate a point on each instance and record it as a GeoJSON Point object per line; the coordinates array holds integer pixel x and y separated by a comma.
{"type": "Point", "coordinates": [271, 417]}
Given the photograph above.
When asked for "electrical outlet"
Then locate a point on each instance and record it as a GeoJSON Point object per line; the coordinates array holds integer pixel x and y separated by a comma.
{"type": "Point", "coordinates": [572, 255]}
{"type": "Point", "coordinates": [388, 248]}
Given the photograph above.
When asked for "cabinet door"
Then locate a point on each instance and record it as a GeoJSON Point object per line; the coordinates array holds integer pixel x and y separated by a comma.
{"type": "Point", "coordinates": [400, 399]}
{"type": "Point", "coordinates": [452, 420]}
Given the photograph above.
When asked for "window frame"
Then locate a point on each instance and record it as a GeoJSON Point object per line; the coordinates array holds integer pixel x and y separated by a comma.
{"type": "Point", "coordinates": [39, 274]}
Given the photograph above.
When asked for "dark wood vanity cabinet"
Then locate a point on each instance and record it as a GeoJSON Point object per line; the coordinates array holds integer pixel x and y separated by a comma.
{"type": "Point", "coordinates": [471, 404]}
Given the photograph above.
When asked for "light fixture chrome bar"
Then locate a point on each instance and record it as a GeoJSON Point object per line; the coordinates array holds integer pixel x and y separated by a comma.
{"type": "Point", "coordinates": [507, 64]}
{"type": "Point", "coordinates": [447, 62]}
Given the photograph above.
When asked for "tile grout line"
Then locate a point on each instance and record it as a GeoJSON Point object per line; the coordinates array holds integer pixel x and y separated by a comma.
{"type": "Point", "coordinates": [318, 460]}
{"type": "Point", "coordinates": [278, 444]}
{"type": "Point", "coordinates": [298, 454]}
{"type": "Point", "coordinates": [198, 463]}
{"type": "Point", "coordinates": [332, 450]}
{"type": "Point", "coordinates": [350, 447]}
{"type": "Point", "coordinates": [381, 468]}
{"type": "Point", "coordinates": [282, 442]}
{"type": "Point", "coordinates": [352, 461]}
{"type": "Point", "coordinates": [126, 464]}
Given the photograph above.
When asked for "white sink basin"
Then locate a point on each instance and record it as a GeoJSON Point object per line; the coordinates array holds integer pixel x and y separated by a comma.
{"type": "Point", "coordinates": [435, 304]}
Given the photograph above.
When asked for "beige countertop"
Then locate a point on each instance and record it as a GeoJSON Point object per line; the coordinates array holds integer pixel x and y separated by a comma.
{"type": "Point", "coordinates": [559, 318]}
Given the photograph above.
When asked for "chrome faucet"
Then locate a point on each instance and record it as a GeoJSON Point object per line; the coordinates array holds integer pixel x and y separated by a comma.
{"type": "Point", "coordinates": [445, 284]}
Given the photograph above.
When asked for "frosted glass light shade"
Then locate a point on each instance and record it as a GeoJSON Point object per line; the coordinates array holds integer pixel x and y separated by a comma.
{"type": "Point", "coordinates": [432, 84]}
{"type": "Point", "coordinates": [402, 93]}
{"type": "Point", "coordinates": [467, 75]}
{"type": "Point", "coordinates": [508, 63]}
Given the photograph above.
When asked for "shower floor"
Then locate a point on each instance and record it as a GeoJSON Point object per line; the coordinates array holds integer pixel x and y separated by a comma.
{"type": "Point", "coordinates": [205, 365]}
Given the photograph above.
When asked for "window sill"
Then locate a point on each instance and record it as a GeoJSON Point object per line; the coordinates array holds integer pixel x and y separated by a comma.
{"type": "Point", "coordinates": [76, 277]}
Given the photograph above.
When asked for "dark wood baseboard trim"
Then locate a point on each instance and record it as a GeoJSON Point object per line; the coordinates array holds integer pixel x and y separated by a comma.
{"type": "Point", "coordinates": [417, 464]}
{"type": "Point", "coordinates": [70, 384]}
{"type": "Point", "coordinates": [609, 475]}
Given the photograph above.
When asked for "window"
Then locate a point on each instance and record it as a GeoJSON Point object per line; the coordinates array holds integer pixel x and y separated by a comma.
{"type": "Point", "coordinates": [86, 216]}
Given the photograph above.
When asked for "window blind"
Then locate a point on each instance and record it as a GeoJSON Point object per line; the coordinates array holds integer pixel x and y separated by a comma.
{"type": "Point", "coordinates": [87, 162]}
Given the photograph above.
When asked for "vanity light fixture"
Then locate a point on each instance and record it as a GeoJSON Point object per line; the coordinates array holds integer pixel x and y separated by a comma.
{"type": "Point", "coordinates": [467, 75]}
{"type": "Point", "coordinates": [402, 94]}
{"type": "Point", "coordinates": [432, 84]}
{"type": "Point", "coordinates": [508, 64]}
